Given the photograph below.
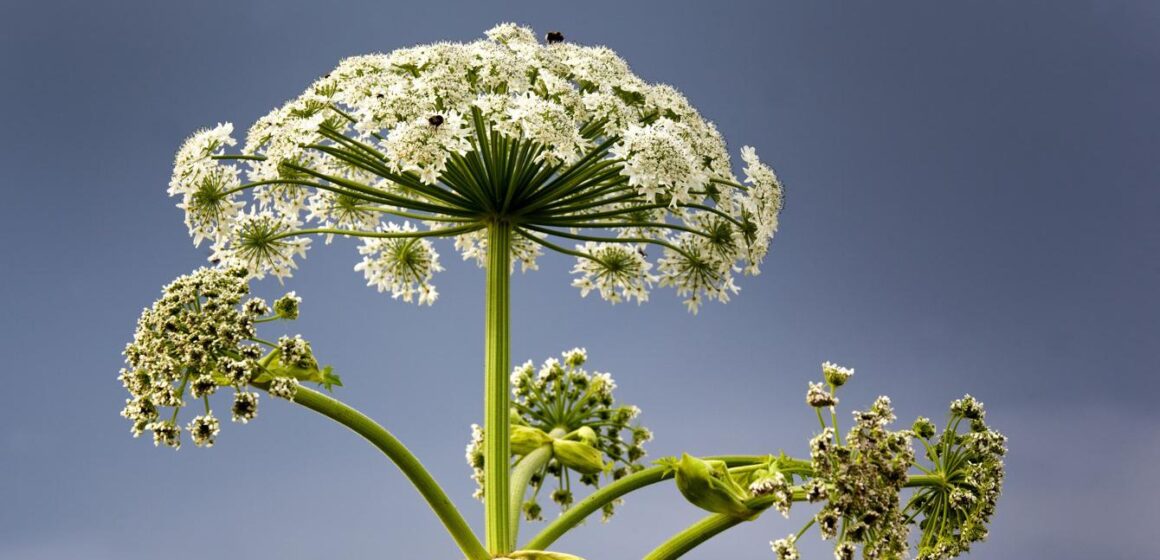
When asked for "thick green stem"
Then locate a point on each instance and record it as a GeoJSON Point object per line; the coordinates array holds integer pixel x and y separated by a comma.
{"type": "Point", "coordinates": [608, 494]}
{"type": "Point", "coordinates": [521, 476]}
{"type": "Point", "coordinates": [692, 536]}
{"type": "Point", "coordinates": [715, 524]}
{"type": "Point", "coordinates": [709, 527]}
{"type": "Point", "coordinates": [402, 457]}
{"type": "Point", "coordinates": [918, 480]}
{"type": "Point", "coordinates": [496, 394]}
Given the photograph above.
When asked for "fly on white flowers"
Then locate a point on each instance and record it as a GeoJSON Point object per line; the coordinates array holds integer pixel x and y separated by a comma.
{"type": "Point", "coordinates": [561, 142]}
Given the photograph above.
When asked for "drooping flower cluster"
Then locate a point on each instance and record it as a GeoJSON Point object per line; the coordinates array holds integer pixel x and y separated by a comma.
{"type": "Point", "coordinates": [574, 411]}
{"type": "Point", "coordinates": [955, 514]}
{"type": "Point", "coordinates": [785, 549]}
{"type": "Point", "coordinates": [198, 337]}
{"type": "Point", "coordinates": [561, 142]}
{"type": "Point", "coordinates": [861, 480]}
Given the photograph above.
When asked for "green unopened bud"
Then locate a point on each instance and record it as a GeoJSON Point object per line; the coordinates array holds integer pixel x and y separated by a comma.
{"type": "Point", "coordinates": [532, 511]}
{"type": "Point", "coordinates": [923, 428]}
{"type": "Point", "coordinates": [968, 407]}
{"type": "Point", "coordinates": [286, 307]}
{"type": "Point", "coordinates": [525, 439]}
{"type": "Point", "coordinates": [301, 365]}
{"type": "Point", "coordinates": [709, 486]}
{"type": "Point", "coordinates": [578, 456]}
{"type": "Point", "coordinates": [587, 435]}
{"type": "Point", "coordinates": [835, 374]}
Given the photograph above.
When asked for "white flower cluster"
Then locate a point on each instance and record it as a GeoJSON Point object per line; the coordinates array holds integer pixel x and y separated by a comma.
{"type": "Point", "coordinates": [785, 549]}
{"type": "Point", "coordinates": [618, 271]}
{"type": "Point", "coordinates": [207, 186]}
{"type": "Point", "coordinates": [261, 242]}
{"type": "Point", "coordinates": [402, 265]}
{"type": "Point", "coordinates": [559, 140]}
{"type": "Point", "coordinates": [474, 456]}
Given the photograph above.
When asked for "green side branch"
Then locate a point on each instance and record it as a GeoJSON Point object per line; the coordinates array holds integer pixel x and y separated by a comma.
{"type": "Point", "coordinates": [713, 525]}
{"type": "Point", "coordinates": [522, 474]}
{"type": "Point", "coordinates": [647, 477]}
{"type": "Point", "coordinates": [403, 459]}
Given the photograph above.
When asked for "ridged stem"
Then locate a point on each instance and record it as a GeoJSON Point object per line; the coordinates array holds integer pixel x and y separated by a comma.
{"type": "Point", "coordinates": [496, 391]}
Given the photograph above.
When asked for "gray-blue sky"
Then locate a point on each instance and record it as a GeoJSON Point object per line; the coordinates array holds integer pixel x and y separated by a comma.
{"type": "Point", "coordinates": [972, 194]}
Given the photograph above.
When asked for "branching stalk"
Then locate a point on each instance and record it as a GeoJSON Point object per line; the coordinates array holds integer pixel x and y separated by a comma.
{"type": "Point", "coordinates": [403, 459]}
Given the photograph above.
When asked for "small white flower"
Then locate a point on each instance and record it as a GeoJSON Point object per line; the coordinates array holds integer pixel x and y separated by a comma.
{"type": "Point", "coordinates": [761, 204]}
{"type": "Point", "coordinates": [404, 266]}
{"type": "Point", "coordinates": [575, 357]}
{"type": "Point", "coordinates": [696, 271]}
{"type": "Point", "coordinates": [203, 429]}
{"type": "Point", "coordinates": [618, 271]}
{"type": "Point", "coordinates": [658, 162]}
{"type": "Point", "coordinates": [284, 388]}
{"type": "Point", "coordinates": [785, 549]}
{"type": "Point", "coordinates": [195, 156]}
{"type": "Point", "coordinates": [331, 210]}
{"type": "Point", "coordinates": [835, 374]}
{"type": "Point", "coordinates": [419, 146]}
{"type": "Point", "coordinates": [262, 243]}
{"type": "Point", "coordinates": [817, 396]}
{"type": "Point", "coordinates": [512, 35]}
{"type": "Point", "coordinates": [548, 123]}
{"type": "Point", "coordinates": [287, 306]}
{"type": "Point", "coordinates": [245, 407]}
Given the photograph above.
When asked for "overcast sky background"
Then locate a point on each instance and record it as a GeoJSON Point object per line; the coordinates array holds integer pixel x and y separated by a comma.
{"type": "Point", "coordinates": [972, 204]}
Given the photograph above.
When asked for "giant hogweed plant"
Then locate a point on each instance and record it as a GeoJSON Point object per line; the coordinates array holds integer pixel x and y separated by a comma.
{"type": "Point", "coordinates": [509, 147]}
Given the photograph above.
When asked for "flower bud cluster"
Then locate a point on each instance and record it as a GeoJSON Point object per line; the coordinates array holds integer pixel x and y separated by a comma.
{"type": "Point", "coordinates": [861, 479]}
{"type": "Point", "coordinates": [564, 405]}
{"type": "Point", "coordinates": [955, 515]}
{"type": "Point", "coordinates": [196, 338]}
{"type": "Point", "coordinates": [785, 549]}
